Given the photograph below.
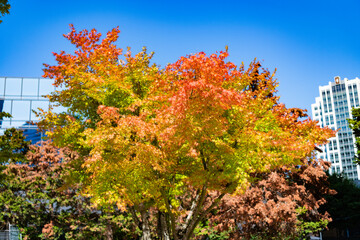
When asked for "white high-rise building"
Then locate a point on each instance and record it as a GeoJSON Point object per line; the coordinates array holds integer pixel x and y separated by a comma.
{"type": "Point", "coordinates": [332, 108]}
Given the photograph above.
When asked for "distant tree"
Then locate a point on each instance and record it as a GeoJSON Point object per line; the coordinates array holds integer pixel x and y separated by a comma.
{"type": "Point", "coordinates": [4, 8]}
{"type": "Point", "coordinates": [354, 124]}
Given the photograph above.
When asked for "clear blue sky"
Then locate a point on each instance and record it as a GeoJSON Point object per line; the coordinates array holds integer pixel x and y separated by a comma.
{"type": "Point", "coordinates": [309, 42]}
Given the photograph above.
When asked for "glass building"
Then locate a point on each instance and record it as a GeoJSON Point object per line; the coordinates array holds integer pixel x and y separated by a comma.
{"type": "Point", "coordinates": [21, 97]}
{"type": "Point", "coordinates": [332, 108]}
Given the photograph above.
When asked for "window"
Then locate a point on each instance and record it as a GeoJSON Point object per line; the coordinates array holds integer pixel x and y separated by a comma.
{"type": "Point", "coordinates": [335, 144]}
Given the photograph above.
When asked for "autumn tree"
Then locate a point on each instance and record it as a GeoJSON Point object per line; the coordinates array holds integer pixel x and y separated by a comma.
{"type": "Point", "coordinates": [157, 142]}
{"type": "Point", "coordinates": [283, 204]}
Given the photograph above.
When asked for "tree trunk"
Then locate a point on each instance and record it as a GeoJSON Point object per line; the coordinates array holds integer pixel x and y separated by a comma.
{"type": "Point", "coordinates": [198, 217]}
{"type": "Point", "coordinates": [146, 233]}
{"type": "Point", "coordinates": [108, 232]}
{"type": "Point", "coordinates": [163, 227]}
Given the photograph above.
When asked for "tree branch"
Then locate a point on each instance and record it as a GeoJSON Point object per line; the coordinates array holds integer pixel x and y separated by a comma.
{"type": "Point", "coordinates": [197, 219]}
{"type": "Point", "coordinates": [172, 218]}
{"type": "Point", "coordinates": [194, 206]}
{"type": "Point", "coordinates": [203, 160]}
{"type": "Point", "coordinates": [194, 211]}
{"type": "Point", "coordinates": [136, 219]}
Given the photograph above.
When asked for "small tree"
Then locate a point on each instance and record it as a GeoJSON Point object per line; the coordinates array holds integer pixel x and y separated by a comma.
{"type": "Point", "coordinates": [283, 205]}
{"type": "Point", "coordinates": [158, 142]}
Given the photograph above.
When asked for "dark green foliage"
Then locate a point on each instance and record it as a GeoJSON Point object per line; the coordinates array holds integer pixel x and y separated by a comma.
{"type": "Point", "coordinates": [13, 146]}
{"type": "Point", "coordinates": [343, 207]}
{"type": "Point", "coordinates": [354, 124]}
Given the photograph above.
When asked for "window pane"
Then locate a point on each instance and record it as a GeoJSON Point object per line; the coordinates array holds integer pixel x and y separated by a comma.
{"type": "Point", "coordinates": [21, 110]}
{"type": "Point", "coordinates": [30, 87]}
{"type": "Point", "coordinates": [2, 82]}
{"type": "Point", "coordinates": [7, 106]}
{"type": "Point", "coordinates": [46, 86]}
{"type": "Point", "coordinates": [13, 87]}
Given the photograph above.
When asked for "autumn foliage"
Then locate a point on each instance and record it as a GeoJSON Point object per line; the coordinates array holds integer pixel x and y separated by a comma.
{"type": "Point", "coordinates": [283, 204]}
{"type": "Point", "coordinates": [158, 142]}
{"type": "Point", "coordinates": [35, 197]}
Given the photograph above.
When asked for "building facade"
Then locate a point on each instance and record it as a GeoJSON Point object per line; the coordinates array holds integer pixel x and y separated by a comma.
{"type": "Point", "coordinates": [21, 97]}
{"type": "Point", "coordinates": [332, 109]}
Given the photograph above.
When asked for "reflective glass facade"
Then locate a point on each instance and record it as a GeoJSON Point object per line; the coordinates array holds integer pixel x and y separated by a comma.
{"type": "Point", "coordinates": [19, 97]}
{"type": "Point", "coordinates": [332, 108]}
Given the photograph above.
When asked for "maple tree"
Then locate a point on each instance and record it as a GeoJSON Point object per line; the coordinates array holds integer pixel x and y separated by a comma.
{"type": "Point", "coordinates": [284, 204]}
{"type": "Point", "coordinates": [157, 142]}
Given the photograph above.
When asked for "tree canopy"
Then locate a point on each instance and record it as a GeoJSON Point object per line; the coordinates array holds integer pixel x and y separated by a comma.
{"type": "Point", "coordinates": [157, 142]}
{"type": "Point", "coordinates": [344, 207]}
{"type": "Point", "coordinates": [284, 204]}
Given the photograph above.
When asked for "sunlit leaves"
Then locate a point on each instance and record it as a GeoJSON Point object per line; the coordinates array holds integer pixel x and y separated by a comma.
{"type": "Point", "coordinates": [149, 136]}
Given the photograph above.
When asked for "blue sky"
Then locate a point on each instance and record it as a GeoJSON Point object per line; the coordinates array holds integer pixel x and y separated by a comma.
{"type": "Point", "coordinates": [309, 42]}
